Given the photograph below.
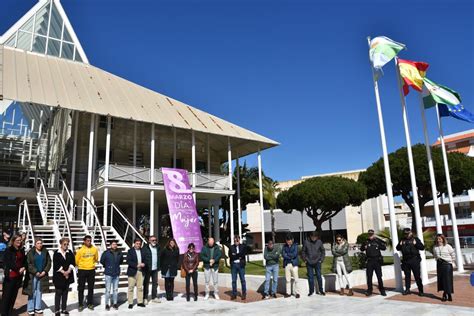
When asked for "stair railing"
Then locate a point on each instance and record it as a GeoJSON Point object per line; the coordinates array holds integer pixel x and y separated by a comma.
{"type": "Point", "coordinates": [62, 217]}
{"type": "Point", "coordinates": [42, 197]}
{"type": "Point", "coordinates": [25, 225]}
{"type": "Point", "coordinates": [122, 225]}
{"type": "Point", "coordinates": [68, 199]}
{"type": "Point", "coordinates": [95, 227]}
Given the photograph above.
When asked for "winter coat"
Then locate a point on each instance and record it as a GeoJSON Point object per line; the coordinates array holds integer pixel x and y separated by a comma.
{"type": "Point", "coordinates": [190, 261]}
{"type": "Point", "coordinates": [233, 255]}
{"type": "Point", "coordinates": [313, 251]}
{"type": "Point", "coordinates": [410, 248]}
{"type": "Point", "coordinates": [205, 256]}
{"type": "Point", "coordinates": [148, 256]}
{"type": "Point", "coordinates": [132, 261]}
{"type": "Point", "coordinates": [373, 248]}
{"type": "Point", "coordinates": [169, 261]}
{"type": "Point", "coordinates": [10, 261]}
{"type": "Point", "coordinates": [31, 269]}
{"type": "Point", "coordinates": [290, 255]}
{"type": "Point", "coordinates": [59, 281]}
{"type": "Point", "coordinates": [341, 251]}
{"type": "Point", "coordinates": [271, 256]}
{"type": "Point", "coordinates": [111, 261]}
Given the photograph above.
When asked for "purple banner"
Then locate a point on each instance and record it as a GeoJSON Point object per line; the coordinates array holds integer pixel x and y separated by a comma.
{"type": "Point", "coordinates": [182, 209]}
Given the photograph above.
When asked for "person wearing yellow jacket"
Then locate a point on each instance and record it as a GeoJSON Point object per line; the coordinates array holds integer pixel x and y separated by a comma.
{"type": "Point", "coordinates": [86, 258]}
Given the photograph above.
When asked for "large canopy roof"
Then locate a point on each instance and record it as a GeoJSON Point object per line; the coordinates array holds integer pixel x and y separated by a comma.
{"type": "Point", "coordinates": [40, 79]}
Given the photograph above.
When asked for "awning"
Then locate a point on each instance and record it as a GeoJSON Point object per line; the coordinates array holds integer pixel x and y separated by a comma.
{"type": "Point", "coordinates": [39, 79]}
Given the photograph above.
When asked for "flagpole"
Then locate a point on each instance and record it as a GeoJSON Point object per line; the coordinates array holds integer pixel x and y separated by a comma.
{"type": "Point", "coordinates": [388, 183]}
{"type": "Point", "coordinates": [411, 165]}
{"type": "Point", "coordinates": [452, 211]}
{"type": "Point", "coordinates": [434, 191]}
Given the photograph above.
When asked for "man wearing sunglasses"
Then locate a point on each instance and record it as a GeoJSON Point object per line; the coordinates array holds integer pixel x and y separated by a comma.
{"type": "Point", "coordinates": [410, 247]}
{"type": "Point", "coordinates": [152, 266]}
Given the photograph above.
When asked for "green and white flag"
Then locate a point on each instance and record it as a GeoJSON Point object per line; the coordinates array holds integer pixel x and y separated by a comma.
{"type": "Point", "coordinates": [382, 50]}
{"type": "Point", "coordinates": [434, 93]}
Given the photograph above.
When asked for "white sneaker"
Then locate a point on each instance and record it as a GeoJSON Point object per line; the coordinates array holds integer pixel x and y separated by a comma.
{"type": "Point", "coordinates": [145, 301]}
{"type": "Point", "coordinates": [206, 297]}
{"type": "Point", "coordinates": [216, 296]}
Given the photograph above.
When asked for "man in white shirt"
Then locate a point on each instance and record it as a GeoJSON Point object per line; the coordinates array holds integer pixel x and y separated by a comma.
{"type": "Point", "coordinates": [135, 273]}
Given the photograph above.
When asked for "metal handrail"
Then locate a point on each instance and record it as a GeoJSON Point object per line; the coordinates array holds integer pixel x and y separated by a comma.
{"type": "Point", "coordinates": [114, 208]}
{"type": "Point", "coordinates": [22, 217]}
{"type": "Point", "coordinates": [96, 223]}
{"type": "Point", "coordinates": [69, 199]}
{"type": "Point", "coordinates": [67, 227]}
{"type": "Point", "coordinates": [42, 197]}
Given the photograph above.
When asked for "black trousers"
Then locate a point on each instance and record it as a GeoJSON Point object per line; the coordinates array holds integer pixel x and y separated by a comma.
{"type": "Point", "coordinates": [409, 266]}
{"type": "Point", "coordinates": [153, 275]}
{"type": "Point", "coordinates": [194, 277]}
{"type": "Point", "coordinates": [84, 276]}
{"type": "Point", "coordinates": [60, 299]}
{"type": "Point", "coordinates": [374, 265]}
{"type": "Point", "coordinates": [10, 292]}
{"type": "Point", "coordinates": [169, 288]}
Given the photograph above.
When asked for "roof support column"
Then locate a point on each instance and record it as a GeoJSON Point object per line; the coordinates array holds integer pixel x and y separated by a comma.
{"type": "Point", "coordinates": [231, 196]}
{"type": "Point", "coordinates": [107, 169]}
{"type": "Point", "coordinates": [193, 161]}
{"type": "Point", "coordinates": [89, 165]}
{"type": "Point", "coordinates": [134, 149]}
{"type": "Point", "coordinates": [239, 207]}
{"type": "Point", "coordinates": [174, 147]}
{"type": "Point", "coordinates": [31, 139]}
{"type": "Point", "coordinates": [152, 180]}
{"type": "Point", "coordinates": [74, 152]}
{"type": "Point", "coordinates": [260, 190]}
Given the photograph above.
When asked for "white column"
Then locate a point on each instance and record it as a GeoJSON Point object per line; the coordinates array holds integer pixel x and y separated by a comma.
{"type": "Point", "coordinates": [217, 229]}
{"type": "Point", "coordinates": [209, 210]}
{"type": "Point", "coordinates": [260, 190]}
{"type": "Point", "coordinates": [152, 180]}
{"type": "Point", "coordinates": [90, 162]}
{"type": "Point", "coordinates": [134, 149]}
{"type": "Point", "coordinates": [434, 191]}
{"type": "Point", "coordinates": [414, 188]}
{"type": "Point", "coordinates": [31, 139]}
{"type": "Point", "coordinates": [134, 213]}
{"type": "Point", "coordinates": [107, 168]}
{"type": "Point", "coordinates": [452, 210]}
{"type": "Point", "coordinates": [231, 197]}
{"type": "Point", "coordinates": [40, 131]}
{"type": "Point", "coordinates": [174, 147]}
{"type": "Point", "coordinates": [23, 152]}
{"type": "Point", "coordinates": [193, 162]}
{"type": "Point", "coordinates": [388, 184]}
{"type": "Point", "coordinates": [239, 206]}
{"type": "Point", "coordinates": [74, 153]}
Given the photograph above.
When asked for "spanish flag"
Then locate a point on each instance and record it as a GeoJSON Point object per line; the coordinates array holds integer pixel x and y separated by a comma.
{"type": "Point", "coordinates": [412, 73]}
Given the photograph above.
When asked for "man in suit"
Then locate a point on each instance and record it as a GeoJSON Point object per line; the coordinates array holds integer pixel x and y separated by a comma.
{"type": "Point", "coordinates": [136, 265]}
{"type": "Point", "coordinates": [237, 254]}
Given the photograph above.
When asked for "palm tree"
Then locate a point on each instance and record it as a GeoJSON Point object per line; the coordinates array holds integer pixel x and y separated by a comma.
{"type": "Point", "coordinates": [270, 190]}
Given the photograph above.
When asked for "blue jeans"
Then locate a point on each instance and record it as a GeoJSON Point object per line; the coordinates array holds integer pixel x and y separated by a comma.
{"type": "Point", "coordinates": [111, 282]}
{"type": "Point", "coordinates": [271, 272]}
{"type": "Point", "coordinates": [314, 269]}
{"type": "Point", "coordinates": [34, 302]}
{"type": "Point", "coordinates": [240, 270]}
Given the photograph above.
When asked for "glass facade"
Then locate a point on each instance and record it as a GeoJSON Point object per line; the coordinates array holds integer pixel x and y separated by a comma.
{"type": "Point", "coordinates": [46, 33]}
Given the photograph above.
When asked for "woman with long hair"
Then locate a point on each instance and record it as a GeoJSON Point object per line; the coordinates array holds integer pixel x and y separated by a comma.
{"type": "Point", "coordinates": [14, 268]}
{"type": "Point", "coordinates": [63, 266]}
{"type": "Point", "coordinates": [38, 265]}
{"type": "Point", "coordinates": [169, 266]}
{"type": "Point", "coordinates": [342, 263]}
{"type": "Point", "coordinates": [445, 257]}
{"type": "Point", "coordinates": [190, 265]}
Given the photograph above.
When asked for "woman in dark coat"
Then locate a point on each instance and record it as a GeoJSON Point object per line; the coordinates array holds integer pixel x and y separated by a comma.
{"type": "Point", "coordinates": [63, 266]}
{"type": "Point", "coordinates": [14, 262]}
{"type": "Point", "coordinates": [37, 279]}
{"type": "Point", "coordinates": [341, 263]}
{"type": "Point", "coordinates": [169, 266]}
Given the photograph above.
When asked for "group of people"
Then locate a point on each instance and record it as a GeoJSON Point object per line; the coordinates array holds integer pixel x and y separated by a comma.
{"type": "Point", "coordinates": [30, 270]}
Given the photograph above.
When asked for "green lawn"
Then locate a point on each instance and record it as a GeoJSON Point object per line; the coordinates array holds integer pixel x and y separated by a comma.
{"type": "Point", "coordinates": [257, 268]}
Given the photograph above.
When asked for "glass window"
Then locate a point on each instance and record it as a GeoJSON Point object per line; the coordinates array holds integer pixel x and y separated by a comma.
{"type": "Point", "coordinates": [56, 25]}
{"type": "Point", "coordinates": [41, 23]}
{"type": "Point", "coordinates": [66, 36]}
{"type": "Point", "coordinates": [78, 56]}
{"type": "Point", "coordinates": [53, 47]}
{"type": "Point", "coordinates": [28, 26]}
{"type": "Point", "coordinates": [39, 44]}
{"type": "Point", "coordinates": [68, 51]}
{"type": "Point", "coordinates": [24, 40]}
{"type": "Point", "coordinates": [11, 41]}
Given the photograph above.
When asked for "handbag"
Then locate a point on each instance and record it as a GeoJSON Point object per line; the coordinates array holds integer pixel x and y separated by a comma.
{"type": "Point", "coordinates": [183, 272]}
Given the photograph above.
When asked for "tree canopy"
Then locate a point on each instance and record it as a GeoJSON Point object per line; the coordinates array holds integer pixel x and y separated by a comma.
{"type": "Point", "coordinates": [322, 197]}
{"type": "Point", "coordinates": [461, 169]}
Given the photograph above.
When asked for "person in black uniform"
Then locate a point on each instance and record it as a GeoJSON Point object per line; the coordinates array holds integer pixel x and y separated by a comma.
{"type": "Point", "coordinates": [410, 247]}
{"type": "Point", "coordinates": [372, 248]}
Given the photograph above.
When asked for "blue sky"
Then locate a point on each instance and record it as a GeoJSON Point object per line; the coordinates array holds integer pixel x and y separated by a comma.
{"type": "Point", "coordinates": [295, 71]}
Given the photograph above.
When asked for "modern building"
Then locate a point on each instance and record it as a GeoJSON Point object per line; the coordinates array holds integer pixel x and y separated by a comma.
{"type": "Point", "coordinates": [81, 149]}
{"type": "Point", "coordinates": [462, 142]}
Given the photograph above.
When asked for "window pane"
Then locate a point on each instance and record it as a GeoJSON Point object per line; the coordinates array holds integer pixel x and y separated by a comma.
{"type": "Point", "coordinates": [11, 41]}
{"type": "Point", "coordinates": [66, 35]}
{"type": "Point", "coordinates": [39, 44]}
{"type": "Point", "coordinates": [56, 25]}
{"type": "Point", "coordinates": [42, 17]}
{"type": "Point", "coordinates": [78, 56]}
{"type": "Point", "coordinates": [68, 51]}
{"type": "Point", "coordinates": [28, 26]}
{"type": "Point", "coordinates": [24, 40]}
{"type": "Point", "coordinates": [53, 47]}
